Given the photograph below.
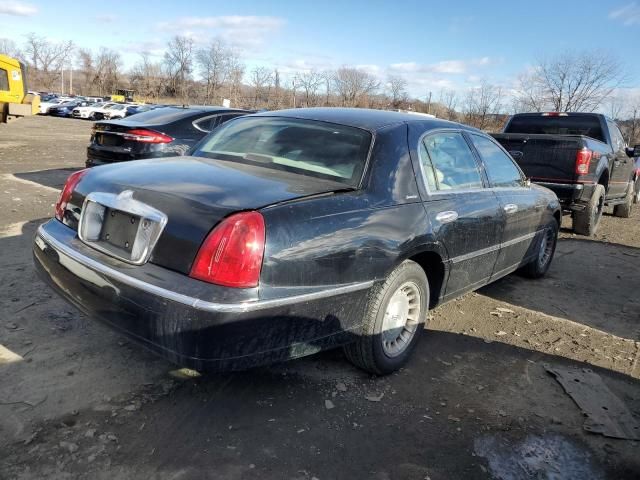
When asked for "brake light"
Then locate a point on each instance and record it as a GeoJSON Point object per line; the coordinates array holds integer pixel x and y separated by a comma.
{"type": "Point", "coordinates": [232, 253]}
{"type": "Point", "coordinates": [67, 191]}
{"type": "Point", "coordinates": [146, 136]}
{"type": "Point", "coordinates": [583, 160]}
{"type": "Point", "coordinates": [555, 114]}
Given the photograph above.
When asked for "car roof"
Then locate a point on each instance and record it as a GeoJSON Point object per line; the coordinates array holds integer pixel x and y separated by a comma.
{"type": "Point", "coordinates": [364, 118]}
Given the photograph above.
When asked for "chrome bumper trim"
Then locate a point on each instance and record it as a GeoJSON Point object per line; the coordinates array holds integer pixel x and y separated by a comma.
{"type": "Point", "coordinates": [192, 302]}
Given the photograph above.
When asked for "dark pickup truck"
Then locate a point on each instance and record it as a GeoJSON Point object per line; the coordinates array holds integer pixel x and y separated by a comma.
{"type": "Point", "coordinates": [582, 157]}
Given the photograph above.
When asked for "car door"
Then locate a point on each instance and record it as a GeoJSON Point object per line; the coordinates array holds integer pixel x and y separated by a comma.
{"type": "Point", "coordinates": [464, 213]}
{"type": "Point", "coordinates": [521, 206]}
{"type": "Point", "coordinates": [622, 164]}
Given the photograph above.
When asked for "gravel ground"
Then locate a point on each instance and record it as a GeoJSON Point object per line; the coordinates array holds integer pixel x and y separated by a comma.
{"type": "Point", "coordinates": [474, 402]}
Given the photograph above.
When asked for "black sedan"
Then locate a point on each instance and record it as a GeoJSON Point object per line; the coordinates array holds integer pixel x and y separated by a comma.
{"type": "Point", "coordinates": [159, 132]}
{"type": "Point", "coordinates": [290, 232]}
{"type": "Point", "coordinates": [65, 109]}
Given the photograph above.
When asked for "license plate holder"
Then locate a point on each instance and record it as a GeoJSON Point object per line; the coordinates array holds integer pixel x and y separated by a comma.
{"type": "Point", "coordinates": [120, 226]}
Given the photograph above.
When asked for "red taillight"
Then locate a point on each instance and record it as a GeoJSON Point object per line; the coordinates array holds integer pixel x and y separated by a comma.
{"type": "Point", "coordinates": [146, 136]}
{"type": "Point", "coordinates": [583, 160]}
{"type": "Point", "coordinates": [67, 190]}
{"type": "Point", "coordinates": [231, 255]}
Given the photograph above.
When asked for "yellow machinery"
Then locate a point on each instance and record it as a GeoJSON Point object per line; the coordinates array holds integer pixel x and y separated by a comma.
{"type": "Point", "coordinates": [122, 95]}
{"type": "Point", "coordinates": [15, 101]}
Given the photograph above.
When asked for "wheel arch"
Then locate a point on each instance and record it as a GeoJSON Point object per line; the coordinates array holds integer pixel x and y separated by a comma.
{"type": "Point", "coordinates": [432, 258]}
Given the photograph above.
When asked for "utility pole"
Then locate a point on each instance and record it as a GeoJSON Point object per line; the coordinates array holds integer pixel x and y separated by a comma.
{"type": "Point", "coordinates": [62, 81]}
{"type": "Point", "coordinates": [294, 91]}
{"type": "Point", "coordinates": [71, 80]}
{"type": "Point", "coordinates": [429, 103]}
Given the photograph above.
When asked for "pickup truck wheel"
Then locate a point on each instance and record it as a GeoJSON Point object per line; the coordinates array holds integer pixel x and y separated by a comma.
{"type": "Point", "coordinates": [586, 221]}
{"type": "Point", "coordinates": [624, 209]}
{"type": "Point", "coordinates": [539, 266]}
{"type": "Point", "coordinates": [393, 322]}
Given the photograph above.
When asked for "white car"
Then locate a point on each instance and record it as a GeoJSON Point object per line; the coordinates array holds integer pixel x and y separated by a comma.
{"type": "Point", "coordinates": [93, 112]}
{"type": "Point", "coordinates": [117, 111]}
{"type": "Point", "coordinates": [45, 106]}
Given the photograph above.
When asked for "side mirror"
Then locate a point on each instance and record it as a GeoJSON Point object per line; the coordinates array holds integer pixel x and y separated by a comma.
{"type": "Point", "coordinates": [527, 182]}
{"type": "Point", "coordinates": [633, 151]}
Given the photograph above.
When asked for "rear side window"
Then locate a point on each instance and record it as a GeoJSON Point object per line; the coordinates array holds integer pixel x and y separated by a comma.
{"type": "Point", "coordinates": [617, 139]}
{"type": "Point", "coordinates": [501, 170]}
{"type": "Point", "coordinates": [312, 148]}
{"type": "Point", "coordinates": [586, 125]}
{"type": "Point", "coordinates": [4, 80]}
{"type": "Point", "coordinates": [448, 163]}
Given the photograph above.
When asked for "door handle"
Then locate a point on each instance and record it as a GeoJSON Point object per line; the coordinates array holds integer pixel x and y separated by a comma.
{"type": "Point", "coordinates": [447, 217]}
{"type": "Point", "coordinates": [510, 208]}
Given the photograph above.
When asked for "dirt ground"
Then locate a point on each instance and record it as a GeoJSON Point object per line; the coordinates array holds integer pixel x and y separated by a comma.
{"type": "Point", "coordinates": [78, 401]}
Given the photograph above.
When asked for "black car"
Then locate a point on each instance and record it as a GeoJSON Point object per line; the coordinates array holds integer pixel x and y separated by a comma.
{"type": "Point", "coordinates": [290, 232]}
{"type": "Point", "coordinates": [66, 109]}
{"type": "Point", "coordinates": [159, 132]}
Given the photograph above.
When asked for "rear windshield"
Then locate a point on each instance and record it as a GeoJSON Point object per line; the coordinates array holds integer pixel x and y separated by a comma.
{"type": "Point", "coordinates": [311, 148]}
{"type": "Point", "coordinates": [588, 126]}
{"type": "Point", "coordinates": [165, 115]}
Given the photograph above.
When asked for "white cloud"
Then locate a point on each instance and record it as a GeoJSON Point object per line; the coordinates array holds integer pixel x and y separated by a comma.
{"type": "Point", "coordinates": [17, 8]}
{"type": "Point", "coordinates": [445, 67]}
{"type": "Point", "coordinates": [247, 32]}
{"type": "Point", "coordinates": [628, 15]}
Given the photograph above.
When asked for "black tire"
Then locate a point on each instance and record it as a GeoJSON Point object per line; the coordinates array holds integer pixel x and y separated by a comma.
{"type": "Point", "coordinates": [586, 221]}
{"type": "Point", "coordinates": [539, 266]}
{"type": "Point", "coordinates": [624, 209]}
{"type": "Point", "coordinates": [371, 351]}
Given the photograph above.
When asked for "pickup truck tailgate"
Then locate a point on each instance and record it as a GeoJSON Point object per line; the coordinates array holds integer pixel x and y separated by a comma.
{"type": "Point", "coordinates": [546, 158]}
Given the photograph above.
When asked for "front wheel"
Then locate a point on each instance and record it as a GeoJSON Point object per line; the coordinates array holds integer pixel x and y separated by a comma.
{"type": "Point", "coordinates": [545, 250]}
{"type": "Point", "coordinates": [393, 322]}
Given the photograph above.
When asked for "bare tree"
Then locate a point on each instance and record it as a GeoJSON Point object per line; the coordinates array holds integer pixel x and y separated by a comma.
{"type": "Point", "coordinates": [354, 86]}
{"type": "Point", "coordinates": [214, 61]}
{"type": "Point", "coordinates": [310, 83]}
{"type": "Point", "coordinates": [397, 87]}
{"type": "Point", "coordinates": [46, 59]}
{"type": "Point", "coordinates": [147, 78]}
{"type": "Point", "coordinates": [570, 82]}
{"type": "Point", "coordinates": [9, 47]}
{"type": "Point", "coordinates": [107, 70]}
{"type": "Point", "coordinates": [614, 105]}
{"type": "Point", "coordinates": [178, 59]}
{"type": "Point", "coordinates": [87, 68]}
{"type": "Point", "coordinates": [482, 105]}
{"type": "Point", "coordinates": [260, 80]}
{"type": "Point", "coordinates": [236, 73]}
{"type": "Point", "coordinates": [449, 101]}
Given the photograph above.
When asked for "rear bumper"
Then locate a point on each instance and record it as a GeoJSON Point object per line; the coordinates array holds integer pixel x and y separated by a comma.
{"type": "Point", "coordinates": [572, 196]}
{"type": "Point", "coordinates": [174, 317]}
{"type": "Point", "coordinates": [104, 156]}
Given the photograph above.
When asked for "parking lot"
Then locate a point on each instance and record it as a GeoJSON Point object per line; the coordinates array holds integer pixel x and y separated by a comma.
{"type": "Point", "coordinates": [476, 400]}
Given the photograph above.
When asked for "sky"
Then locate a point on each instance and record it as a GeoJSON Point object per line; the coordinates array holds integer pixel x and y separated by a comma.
{"type": "Point", "coordinates": [434, 45]}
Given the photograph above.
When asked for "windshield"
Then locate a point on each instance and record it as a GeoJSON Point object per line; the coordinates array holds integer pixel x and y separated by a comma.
{"type": "Point", "coordinates": [586, 125]}
{"type": "Point", "coordinates": [311, 148]}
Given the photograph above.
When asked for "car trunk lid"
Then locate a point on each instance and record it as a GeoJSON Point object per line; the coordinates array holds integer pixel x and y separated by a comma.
{"type": "Point", "coordinates": [195, 194]}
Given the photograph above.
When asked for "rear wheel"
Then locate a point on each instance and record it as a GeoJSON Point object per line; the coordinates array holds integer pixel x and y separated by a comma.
{"type": "Point", "coordinates": [586, 221]}
{"type": "Point", "coordinates": [393, 322]}
{"type": "Point", "coordinates": [624, 209]}
{"type": "Point", "coordinates": [539, 266]}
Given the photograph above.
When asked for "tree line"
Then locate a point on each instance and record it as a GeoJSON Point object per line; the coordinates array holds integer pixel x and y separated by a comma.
{"type": "Point", "coordinates": [187, 73]}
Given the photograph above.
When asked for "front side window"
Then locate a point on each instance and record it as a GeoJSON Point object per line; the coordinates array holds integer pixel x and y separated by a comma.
{"type": "Point", "coordinates": [312, 148]}
{"type": "Point", "coordinates": [448, 162]}
{"type": "Point", "coordinates": [4, 80]}
{"type": "Point", "coordinates": [501, 170]}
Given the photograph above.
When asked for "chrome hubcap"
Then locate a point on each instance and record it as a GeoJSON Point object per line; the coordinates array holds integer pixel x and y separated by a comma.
{"type": "Point", "coordinates": [546, 247]}
{"type": "Point", "coordinates": [401, 319]}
